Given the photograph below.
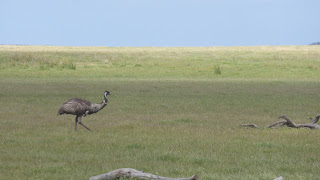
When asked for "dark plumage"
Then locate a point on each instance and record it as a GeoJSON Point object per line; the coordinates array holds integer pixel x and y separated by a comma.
{"type": "Point", "coordinates": [81, 108]}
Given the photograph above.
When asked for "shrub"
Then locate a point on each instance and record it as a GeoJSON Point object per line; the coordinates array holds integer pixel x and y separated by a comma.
{"type": "Point", "coordinates": [217, 70]}
{"type": "Point", "coordinates": [68, 65]}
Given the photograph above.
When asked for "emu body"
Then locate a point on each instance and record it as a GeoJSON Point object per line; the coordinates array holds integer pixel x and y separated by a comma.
{"type": "Point", "coordinates": [81, 108]}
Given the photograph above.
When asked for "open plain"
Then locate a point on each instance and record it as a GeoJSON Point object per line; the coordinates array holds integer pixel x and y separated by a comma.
{"type": "Point", "coordinates": [173, 112]}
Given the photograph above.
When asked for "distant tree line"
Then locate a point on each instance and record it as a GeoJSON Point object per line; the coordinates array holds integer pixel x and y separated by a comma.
{"type": "Point", "coordinates": [315, 43]}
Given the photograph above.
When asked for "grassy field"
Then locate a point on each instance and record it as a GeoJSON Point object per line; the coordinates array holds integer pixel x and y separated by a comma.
{"type": "Point", "coordinates": [265, 62]}
{"type": "Point", "coordinates": [173, 111]}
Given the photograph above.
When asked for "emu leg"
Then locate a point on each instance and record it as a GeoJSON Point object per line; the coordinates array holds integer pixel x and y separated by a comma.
{"type": "Point", "coordinates": [76, 123]}
{"type": "Point", "coordinates": [83, 124]}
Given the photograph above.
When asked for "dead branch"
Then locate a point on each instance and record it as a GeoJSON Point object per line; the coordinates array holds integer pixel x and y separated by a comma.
{"type": "Point", "coordinates": [129, 173]}
{"type": "Point", "coordinates": [289, 123]}
{"type": "Point", "coordinates": [283, 122]}
{"type": "Point", "coordinates": [315, 120]}
{"type": "Point", "coordinates": [308, 125]}
{"type": "Point", "coordinates": [294, 125]}
{"type": "Point", "coordinates": [249, 125]}
{"type": "Point", "coordinates": [279, 178]}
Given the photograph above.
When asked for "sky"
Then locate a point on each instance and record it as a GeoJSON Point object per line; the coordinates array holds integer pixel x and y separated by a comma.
{"type": "Point", "coordinates": [159, 23]}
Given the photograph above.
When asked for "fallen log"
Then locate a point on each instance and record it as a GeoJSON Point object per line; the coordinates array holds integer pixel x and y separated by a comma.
{"type": "Point", "coordinates": [279, 178]}
{"type": "Point", "coordinates": [282, 122]}
{"type": "Point", "coordinates": [249, 125]}
{"type": "Point", "coordinates": [290, 123]}
{"type": "Point", "coordinates": [128, 173]}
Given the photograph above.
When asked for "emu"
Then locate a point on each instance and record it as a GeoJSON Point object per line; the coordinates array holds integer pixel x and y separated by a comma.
{"type": "Point", "coordinates": [82, 108]}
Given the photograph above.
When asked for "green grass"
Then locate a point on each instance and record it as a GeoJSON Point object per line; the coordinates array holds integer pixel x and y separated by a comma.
{"type": "Point", "coordinates": [169, 114]}
{"type": "Point", "coordinates": [265, 62]}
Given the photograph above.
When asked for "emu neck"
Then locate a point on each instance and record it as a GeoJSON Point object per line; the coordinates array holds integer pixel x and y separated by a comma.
{"type": "Point", "coordinates": [97, 107]}
{"type": "Point", "coordinates": [103, 103]}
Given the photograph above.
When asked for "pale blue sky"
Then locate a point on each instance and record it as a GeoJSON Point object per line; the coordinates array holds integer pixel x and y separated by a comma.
{"type": "Point", "coordinates": [159, 22]}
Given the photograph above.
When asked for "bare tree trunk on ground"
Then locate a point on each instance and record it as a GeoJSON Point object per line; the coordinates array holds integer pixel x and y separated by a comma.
{"type": "Point", "coordinates": [249, 125]}
{"type": "Point", "coordinates": [134, 174]}
{"type": "Point", "coordinates": [128, 173]}
{"type": "Point", "coordinates": [278, 178]}
{"type": "Point", "coordinates": [283, 122]}
{"type": "Point", "coordinates": [287, 121]}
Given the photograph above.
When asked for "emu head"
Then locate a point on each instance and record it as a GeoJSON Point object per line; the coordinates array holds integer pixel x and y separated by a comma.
{"type": "Point", "coordinates": [106, 93]}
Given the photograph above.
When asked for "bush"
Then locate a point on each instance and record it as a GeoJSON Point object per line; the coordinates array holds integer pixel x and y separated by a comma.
{"type": "Point", "coordinates": [68, 65]}
{"type": "Point", "coordinates": [217, 70]}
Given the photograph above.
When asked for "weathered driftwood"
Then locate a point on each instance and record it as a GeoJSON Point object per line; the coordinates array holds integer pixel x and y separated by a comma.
{"type": "Point", "coordinates": [283, 122]}
{"type": "Point", "coordinates": [289, 123]}
{"type": "Point", "coordinates": [278, 178]}
{"type": "Point", "coordinates": [249, 125]}
{"type": "Point", "coordinates": [128, 173]}
{"type": "Point", "coordinates": [315, 120]}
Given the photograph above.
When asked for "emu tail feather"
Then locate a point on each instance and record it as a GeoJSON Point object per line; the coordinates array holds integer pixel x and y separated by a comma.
{"type": "Point", "coordinates": [60, 112]}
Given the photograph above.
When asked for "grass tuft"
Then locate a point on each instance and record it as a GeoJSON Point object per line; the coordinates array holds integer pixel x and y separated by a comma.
{"type": "Point", "coordinates": [217, 69]}
{"type": "Point", "coordinates": [183, 120]}
{"type": "Point", "coordinates": [67, 65]}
